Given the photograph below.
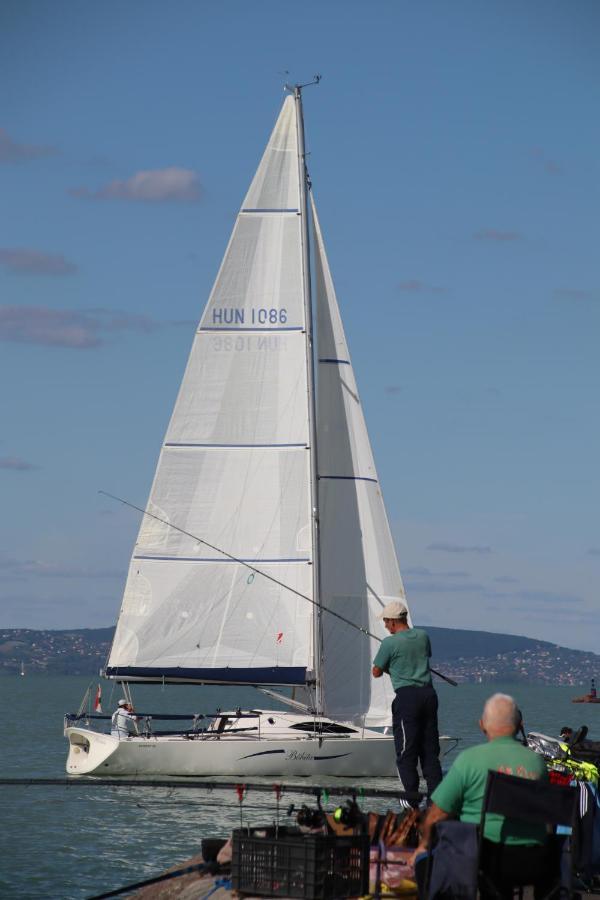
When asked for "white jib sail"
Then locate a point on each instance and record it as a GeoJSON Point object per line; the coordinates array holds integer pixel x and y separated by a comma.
{"type": "Point", "coordinates": [234, 468]}
{"type": "Point", "coordinates": [358, 565]}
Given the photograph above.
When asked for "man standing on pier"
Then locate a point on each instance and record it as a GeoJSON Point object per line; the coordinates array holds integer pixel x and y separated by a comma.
{"type": "Point", "coordinates": [404, 656]}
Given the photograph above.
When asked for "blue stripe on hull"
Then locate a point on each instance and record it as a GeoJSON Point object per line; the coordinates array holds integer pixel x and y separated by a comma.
{"type": "Point", "coordinates": [262, 753]}
{"type": "Point", "coordinates": [337, 756]}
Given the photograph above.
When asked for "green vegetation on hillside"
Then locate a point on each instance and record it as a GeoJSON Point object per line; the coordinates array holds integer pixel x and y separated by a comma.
{"type": "Point", "coordinates": [466, 655]}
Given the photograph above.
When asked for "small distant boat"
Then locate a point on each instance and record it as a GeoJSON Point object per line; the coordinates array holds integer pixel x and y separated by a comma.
{"type": "Point", "coordinates": [22, 668]}
{"type": "Point", "coordinates": [592, 697]}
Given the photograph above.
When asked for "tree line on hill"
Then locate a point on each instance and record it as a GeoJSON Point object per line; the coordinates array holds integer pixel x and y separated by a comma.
{"type": "Point", "coordinates": [467, 655]}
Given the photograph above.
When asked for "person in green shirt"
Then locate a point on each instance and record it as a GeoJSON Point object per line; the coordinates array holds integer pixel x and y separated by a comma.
{"type": "Point", "coordinates": [460, 794]}
{"type": "Point", "coordinates": [404, 656]}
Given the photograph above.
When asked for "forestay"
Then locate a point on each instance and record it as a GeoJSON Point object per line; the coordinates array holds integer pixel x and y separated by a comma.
{"type": "Point", "coordinates": [358, 565]}
{"type": "Point", "coordinates": [234, 468]}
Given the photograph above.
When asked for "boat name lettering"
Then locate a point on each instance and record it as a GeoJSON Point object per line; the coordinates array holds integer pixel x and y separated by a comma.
{"type": "Point", "coordinates": [235, 315]}
{"type": "Point", "coordinates": [298, 754]}
{"type": "Point", "coordinates": [226, 344]}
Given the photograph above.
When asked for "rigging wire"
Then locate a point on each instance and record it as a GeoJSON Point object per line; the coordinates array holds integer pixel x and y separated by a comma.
{"type": "Point", "coordinates": [256, 571]}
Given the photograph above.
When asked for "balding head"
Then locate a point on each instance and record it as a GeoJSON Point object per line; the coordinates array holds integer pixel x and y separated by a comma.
{"type": "Point", "coordinates": [500, 717]}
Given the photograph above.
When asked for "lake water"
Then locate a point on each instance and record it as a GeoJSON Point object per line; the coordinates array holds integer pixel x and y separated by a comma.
{"type": "Point", "coordinates": [73, 842]}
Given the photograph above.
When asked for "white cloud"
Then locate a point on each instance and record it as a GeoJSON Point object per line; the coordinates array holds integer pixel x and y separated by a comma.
{"type": "Point", "coordinates": [69, 328]}
{"type": "Point", "coordinates": [24, 261]}
{"type": "Point", "coordinates": [494, 234]}
{"type": "Point", "coordinates": [12, 151]}
{"type": "Point", "coordinates": [152, 186]}
{"type": "Point", "coordinates": [458, 548]}
{"type": "Point", "coordinates": [16, 464]}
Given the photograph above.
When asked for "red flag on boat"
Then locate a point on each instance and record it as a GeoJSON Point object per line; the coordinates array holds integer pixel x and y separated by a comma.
{"type": "Point", "coordinates": [98, 700]}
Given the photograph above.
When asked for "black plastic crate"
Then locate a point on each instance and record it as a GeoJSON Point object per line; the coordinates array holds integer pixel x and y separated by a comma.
{"type": "Point", "coordinates": [293, 864]}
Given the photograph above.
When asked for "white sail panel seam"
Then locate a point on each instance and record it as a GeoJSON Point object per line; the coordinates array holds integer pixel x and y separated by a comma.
{"type": "Point", "coordinates": [256, 330]}
{"type": "Point", "coordinates": [217, 559]}
{"type": "Point", "coordinates": [238, 446]}
{"type": "Point", "coordinates": [223, 620]}
{"type": "Point", "coordinates": [259, 211]}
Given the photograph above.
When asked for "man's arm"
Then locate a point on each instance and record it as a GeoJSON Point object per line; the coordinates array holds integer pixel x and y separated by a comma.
{"type": "Point", "coordinates": [132, 719]}
{"type": "Point", "coordinates": [449, 793]}
{"type": "Point", "coordinates": [381, 661]}
{"type": "Point", "coordinates": [434, 814]}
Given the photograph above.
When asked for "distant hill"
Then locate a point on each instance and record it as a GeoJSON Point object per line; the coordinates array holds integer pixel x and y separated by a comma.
{"type": "Point", "coordinates": [81, 651]}
{"type": "Point", "coordinates": [485, 656]}
{"type": "Point", "coordinates": [452, 643]}
{"type": "Point", "coordinates": [466, 655]}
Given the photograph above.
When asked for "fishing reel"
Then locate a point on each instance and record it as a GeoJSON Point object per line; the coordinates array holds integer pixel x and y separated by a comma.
{"type": "Point", "coordinates": [349, 815]}
{"type": "Point", "coordinates": [308, 818]}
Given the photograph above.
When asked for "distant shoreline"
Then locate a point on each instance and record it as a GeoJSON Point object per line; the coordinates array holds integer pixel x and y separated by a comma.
{"type": "Point", "coordinates": [467, 656]}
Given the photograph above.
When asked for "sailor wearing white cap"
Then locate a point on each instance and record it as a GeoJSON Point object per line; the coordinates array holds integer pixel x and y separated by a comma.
{"type": "Point", "coordinates": [123, 721]}
{"type": "Point", "coordinates": [404, 656]}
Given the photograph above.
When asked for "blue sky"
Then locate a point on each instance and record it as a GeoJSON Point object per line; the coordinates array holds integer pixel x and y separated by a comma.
{"type": "Point", "coordinates": [454, 155]}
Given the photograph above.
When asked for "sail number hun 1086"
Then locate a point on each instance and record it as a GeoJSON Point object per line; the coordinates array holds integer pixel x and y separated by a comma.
{"type": "Point", "coordinates": [235, 315]}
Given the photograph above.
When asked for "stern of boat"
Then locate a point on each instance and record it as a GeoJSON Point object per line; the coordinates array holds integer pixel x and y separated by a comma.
{"type": "Point", "coordinates": [88, 750]}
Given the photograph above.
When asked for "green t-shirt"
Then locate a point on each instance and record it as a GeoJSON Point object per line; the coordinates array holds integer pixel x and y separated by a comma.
{"type": "Point", "coordinates": [461, 792]}
{"type": "Point", "coordinates": [405, 657]}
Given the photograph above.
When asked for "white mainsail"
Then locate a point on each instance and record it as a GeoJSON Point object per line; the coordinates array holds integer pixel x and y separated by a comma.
{"type": "Point", "coordinates": [359, 570]}
{"type": "Point", "coordinates": [234, 468]}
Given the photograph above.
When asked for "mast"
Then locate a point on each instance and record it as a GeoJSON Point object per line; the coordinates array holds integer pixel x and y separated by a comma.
{"type": "Point", "coordinates": [312, 411]}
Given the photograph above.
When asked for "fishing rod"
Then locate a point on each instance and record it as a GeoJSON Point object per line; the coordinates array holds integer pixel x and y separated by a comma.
{"type": "Point", "coordinates": [256, 571]}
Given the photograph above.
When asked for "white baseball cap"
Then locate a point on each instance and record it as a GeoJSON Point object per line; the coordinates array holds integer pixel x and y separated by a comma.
{"type": "Point", "coordinates": [393, 610]}
{"type": "Point", "coordinates": [122, 703]}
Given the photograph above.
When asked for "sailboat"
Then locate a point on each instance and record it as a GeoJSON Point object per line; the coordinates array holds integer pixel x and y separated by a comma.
{"type": "Point", "coordinates": [264, 556]}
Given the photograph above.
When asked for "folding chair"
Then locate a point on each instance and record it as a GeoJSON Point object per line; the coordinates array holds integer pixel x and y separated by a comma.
{"type": "Point", "coordinates": [504, 867]}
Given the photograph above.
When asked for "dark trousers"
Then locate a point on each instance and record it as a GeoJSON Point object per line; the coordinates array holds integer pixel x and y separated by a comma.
{"type": "Point", "coordinates": [416, 737]}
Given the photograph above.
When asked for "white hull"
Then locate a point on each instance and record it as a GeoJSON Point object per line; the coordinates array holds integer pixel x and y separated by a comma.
{"type": "Point", "coordinates": [277, 752]}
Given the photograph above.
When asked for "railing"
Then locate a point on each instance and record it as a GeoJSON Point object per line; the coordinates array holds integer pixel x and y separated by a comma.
{"type": "Point", "coordinates": [204, 725]}
{"type": "Point", "coordinates": [214, 726]}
